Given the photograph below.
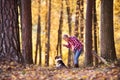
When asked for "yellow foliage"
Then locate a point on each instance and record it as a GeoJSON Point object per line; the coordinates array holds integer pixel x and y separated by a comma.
{"type": "Point", "coordinates": [55, 15]}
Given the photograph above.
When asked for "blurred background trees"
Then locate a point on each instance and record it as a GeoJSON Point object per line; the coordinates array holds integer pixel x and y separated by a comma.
{"type": "Point", "coordinates": [72, 13]}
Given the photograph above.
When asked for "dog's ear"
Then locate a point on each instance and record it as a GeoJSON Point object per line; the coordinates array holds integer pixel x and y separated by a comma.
{"type": "Point", "coordinates": [56, 57]}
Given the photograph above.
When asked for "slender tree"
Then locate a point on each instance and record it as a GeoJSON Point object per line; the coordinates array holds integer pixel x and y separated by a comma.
{"type": "Point", "coordinates": [46, 32]}
{"type": "Point", "coordinates": [69, 25]}
{"type": "Point", "coordinates": [88, 34]}
{"type": "Point", "coordinates": [81, 9]}
{"type": "Point", "coordinates": [9, 31]}
{"type": "Point", "coordinates": [95, 29]}
{"type": "Point", "coordinates": [39, 24]}
{"type": "Point", "coordinates": [69, 15]}
{"type": "Point", "coordinates": [59, 43]}
{"type": "Point", "coordinates": [76, 33]}
{"type": "Point", "coordinates": [48, 35]}
{"type": "Point", "coordinates": [107, 46]}
{"type": "Point", "coordinates": [38, 40]}
{"type": "Point", "coordinates": [26, 31]}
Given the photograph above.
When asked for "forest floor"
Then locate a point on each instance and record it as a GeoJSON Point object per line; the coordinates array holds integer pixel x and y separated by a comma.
{"type": "Point", "coordinates": [15, 71]}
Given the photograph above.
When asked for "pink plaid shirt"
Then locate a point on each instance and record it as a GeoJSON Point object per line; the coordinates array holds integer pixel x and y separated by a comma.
{"type": "Point", "coordinates": [74, 43]}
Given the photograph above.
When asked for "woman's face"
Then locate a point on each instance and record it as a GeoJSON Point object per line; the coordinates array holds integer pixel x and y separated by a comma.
{"type": "Point", "coordinates": [65, 38]}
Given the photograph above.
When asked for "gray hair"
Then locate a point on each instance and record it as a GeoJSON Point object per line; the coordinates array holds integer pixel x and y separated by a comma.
{"type": "Point", "coordinates": [65, 36]}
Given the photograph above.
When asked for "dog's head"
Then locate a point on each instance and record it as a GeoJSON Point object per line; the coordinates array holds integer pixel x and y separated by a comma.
{"type": "Point", "coordinates": [57, 57]}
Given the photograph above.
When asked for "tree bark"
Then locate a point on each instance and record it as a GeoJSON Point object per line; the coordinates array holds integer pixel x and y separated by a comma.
{"type": "Point", "coordinates": [76, 32]}
{"type": "Point", "coordinates": [81, 9]}
{"type": "Point", "coordinates": [95, 29]}
{"type": "Point", "coordinates": [69, 25]}
{"type": "Point", "coordinates": [88, 35]}
{"type": "Point", "coordinates": [39, 25]}
{"type": "Point", "coordinates": [38, 40]}
{"type": "Point", "coordinates": [48, 36]}
{"type": "Point", "coordinates": [59, 44]}
{"type": "Point", "coordinates": [9, 31]}
{"type": "Point", "coordinates": [26, 31]}
{"type": "Point", "coordinates": [107, 46]}
{"type": "Point", "coordinates": [46, 32]}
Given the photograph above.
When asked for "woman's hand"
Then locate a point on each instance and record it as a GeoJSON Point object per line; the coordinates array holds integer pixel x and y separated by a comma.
{"type": "Point", "coordinates": [72, 48]}
{"type": "Point", "coordinates": [64, 45]}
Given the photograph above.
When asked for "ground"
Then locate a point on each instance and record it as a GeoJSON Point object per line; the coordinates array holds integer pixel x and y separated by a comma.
{"type": "Point", "coordinates": [15, 71]}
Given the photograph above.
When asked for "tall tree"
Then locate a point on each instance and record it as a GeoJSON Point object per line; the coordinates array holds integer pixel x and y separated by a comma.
{"type": "Point", "coordinates": [76, 33]}
{"type": "Point", "coordinates": [38, 40]}
{"type": "Point", "coordinates": [95, 29]}
{"type": "Point", "coordinates": [81, 9]}
{"type": "Point", "coordinates": [107, 46]}
{"type": "Point", "coordinates": [88, 34]}
{"type": "Point", "coordinates": [48, 35]}
{"type": "Point", "coordinates": [69, 25]}
{"type": "Point", "coordinates": [59, 43]}
{"type": "Point", "coordinates": [26, 21]}
{"type": "Point", "coordinates": [39, 31]}
{"type": "Point", "coordinates": [9, 31]}
{"type": "Point", "coordinates": [46, 32]}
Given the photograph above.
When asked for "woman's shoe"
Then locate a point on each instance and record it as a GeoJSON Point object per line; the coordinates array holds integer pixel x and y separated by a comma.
{"type": "Point", "coordinates": [76, 65]}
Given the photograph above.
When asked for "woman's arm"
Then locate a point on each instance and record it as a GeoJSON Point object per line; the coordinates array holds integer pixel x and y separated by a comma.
{"type": "Point", "coordinates": [67, 45]}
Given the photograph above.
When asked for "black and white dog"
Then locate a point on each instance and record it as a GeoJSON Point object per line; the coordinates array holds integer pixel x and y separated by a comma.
{"type": "Point", "coordinates": [59, 63]}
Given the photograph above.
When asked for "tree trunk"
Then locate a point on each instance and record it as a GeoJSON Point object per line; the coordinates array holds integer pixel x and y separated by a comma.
{"type": "Point", "coordinates": [88, 35]}
{"type": "Point", "coordinates": [9, 31]}
{"type": "Point", "coordinates": [48, 36]}
{"type": "Point", "coordinates": [39, 31]}
{"type": "Point", "coordinates": [26, 31]}
{"type": "Point", "coordinates": [95, 29]}
{"type": "Point", "coordinates": [69, 25]}
{"type": "Point", "coordinates": [59, 44]}
{"type": "Point", "coordinates": [46, 32]}
{"type": "Point", "coordinates": [76, 33]}
{"type": "Point", "coordinates": [38, 40]}
{"type": "Point", "coordinates": [107, 46]}
{"type": "Point", "coordinates": [81, 9]}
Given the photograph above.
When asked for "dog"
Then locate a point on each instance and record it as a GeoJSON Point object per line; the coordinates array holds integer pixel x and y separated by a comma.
{"type": "Point", "coordinates": [59, 62]}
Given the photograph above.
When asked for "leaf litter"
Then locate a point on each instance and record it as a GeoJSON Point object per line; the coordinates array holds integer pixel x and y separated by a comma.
{"type": "Point", "coordinates": [15, 71]}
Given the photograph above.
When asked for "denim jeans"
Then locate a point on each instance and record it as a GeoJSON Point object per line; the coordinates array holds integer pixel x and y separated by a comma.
{"type": "Point", "coordinates": [76, 55]}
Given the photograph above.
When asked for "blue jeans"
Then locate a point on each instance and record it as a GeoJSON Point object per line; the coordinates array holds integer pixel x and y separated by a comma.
{"type": "Point", "coordinates": [76, 55]}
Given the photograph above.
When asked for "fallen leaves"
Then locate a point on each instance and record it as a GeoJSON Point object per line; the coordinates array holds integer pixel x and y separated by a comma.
{"type": "Point", "coordinates": [15, 71]}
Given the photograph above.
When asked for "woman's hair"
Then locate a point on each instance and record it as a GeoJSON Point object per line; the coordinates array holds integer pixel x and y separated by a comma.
{"type": "Point", "coordinates": [65, 36]}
